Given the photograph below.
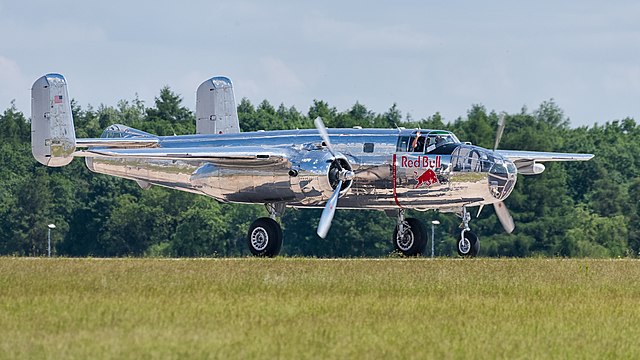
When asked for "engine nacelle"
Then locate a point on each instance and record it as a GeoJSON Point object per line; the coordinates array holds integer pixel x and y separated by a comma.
{"type": "Point", "coordinates": [316, 177]}
{"type": "Point", "coordinates": [531, 169]}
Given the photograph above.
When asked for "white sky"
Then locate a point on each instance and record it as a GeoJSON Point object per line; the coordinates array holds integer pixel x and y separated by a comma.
{"type": "Point", "coordinates": [426, 56]}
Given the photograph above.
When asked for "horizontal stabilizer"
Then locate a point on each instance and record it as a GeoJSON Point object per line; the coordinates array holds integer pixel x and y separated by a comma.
{"type": "Point", "coordinates": [248, 156]}
{"type": "Point", "coordinates": [118, 143]}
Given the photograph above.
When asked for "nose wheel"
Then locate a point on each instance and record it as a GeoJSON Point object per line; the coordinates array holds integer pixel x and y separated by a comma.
{"type": "Point", "coordinates": [468, 243]}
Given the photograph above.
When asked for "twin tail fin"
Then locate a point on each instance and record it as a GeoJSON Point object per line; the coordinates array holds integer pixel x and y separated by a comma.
{"type": "Point", "coordinates": [53, 137]}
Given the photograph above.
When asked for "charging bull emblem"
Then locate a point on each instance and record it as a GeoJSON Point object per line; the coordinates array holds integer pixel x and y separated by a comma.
{"type": "Point", "coordinates": [427, 178]}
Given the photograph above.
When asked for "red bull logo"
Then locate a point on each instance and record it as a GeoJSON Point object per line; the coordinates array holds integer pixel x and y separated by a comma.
{"type": "Point", "coordinates": [424, 166]}
{"type": "Point", "coordinates": [427, 178]}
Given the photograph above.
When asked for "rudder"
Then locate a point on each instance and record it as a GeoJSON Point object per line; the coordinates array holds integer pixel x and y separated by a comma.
{"type": "Point", "coordinates": [53, 139]}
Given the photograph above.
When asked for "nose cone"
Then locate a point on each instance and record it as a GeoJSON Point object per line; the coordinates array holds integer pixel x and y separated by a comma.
{"type": "Point", "coordinates": [502, 177]}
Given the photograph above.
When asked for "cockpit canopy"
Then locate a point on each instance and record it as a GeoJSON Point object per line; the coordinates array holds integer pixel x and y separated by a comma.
{"type": "Point", "coordinates": [116, 131]}
{"type": "Point", "coordinates": [428, 142]}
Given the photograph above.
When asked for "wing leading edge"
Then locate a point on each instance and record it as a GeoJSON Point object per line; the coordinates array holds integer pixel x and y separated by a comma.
{"type": "Point", "coordinates": [529, 162]}
{"type": "Point", "coordinates": [538, 156]}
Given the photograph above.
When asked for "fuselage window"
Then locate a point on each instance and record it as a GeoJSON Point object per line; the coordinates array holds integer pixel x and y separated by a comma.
{"type": "Point", "coordinates": [368, 147]}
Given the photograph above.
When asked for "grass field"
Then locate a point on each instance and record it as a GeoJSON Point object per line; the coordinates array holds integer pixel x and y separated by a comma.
{"type": "Point", "coordinates": [308, 308]}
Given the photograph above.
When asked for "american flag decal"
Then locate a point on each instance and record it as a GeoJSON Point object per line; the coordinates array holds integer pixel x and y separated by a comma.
{"type": "Point", "coordinates": [57, 99]}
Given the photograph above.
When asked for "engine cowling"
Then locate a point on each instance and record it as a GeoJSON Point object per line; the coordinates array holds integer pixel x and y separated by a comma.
{"type": "Point", "coordinates": [531, 169]}
{"type": "Point", "coordinates": [316, 177]}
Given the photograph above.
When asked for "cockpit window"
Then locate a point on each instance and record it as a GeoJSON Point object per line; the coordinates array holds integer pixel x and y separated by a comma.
{"type": "Point", "coordinates": [108, 133]}
{"type": "Point", "coordinates": [425, 141]}
{"type": "Point", "coordinates": [403, 143]}
{"type": "Point", "coordinates": [417, 143]}
{"type": "Point", "coordinates": [436, 139]}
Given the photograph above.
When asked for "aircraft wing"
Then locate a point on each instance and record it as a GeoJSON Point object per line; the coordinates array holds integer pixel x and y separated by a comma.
{"type": "Point", "coordinates": [528, 162]}
{"type": "Point", "coordinates": [537, 156]}
{"type": "Point", "coordinates": [245, 156]}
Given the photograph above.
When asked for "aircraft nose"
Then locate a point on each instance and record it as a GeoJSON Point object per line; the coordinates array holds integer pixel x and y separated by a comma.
{"type": "Point", "coordinates": [502, 178]}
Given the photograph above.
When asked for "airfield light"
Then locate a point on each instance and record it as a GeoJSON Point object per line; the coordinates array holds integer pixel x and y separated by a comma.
{"type": "Point", "coordinates": [50, 226]}
{"type": "Point", "coordinates": [433, 239]}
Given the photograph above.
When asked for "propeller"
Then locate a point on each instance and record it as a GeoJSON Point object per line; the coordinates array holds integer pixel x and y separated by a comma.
{"type": "Point", "coordinates": [500, 208]}
{"type": "Point", "coordinates": [342, 175]}
{"type": "Point", "coordinates": [501, 124]}
{"type": "Point", "coordinates": [328, 212]}
{"type": "Point", "coordinates": [324, 134]}
{"type": "Point", "coordinates": [504, 216]}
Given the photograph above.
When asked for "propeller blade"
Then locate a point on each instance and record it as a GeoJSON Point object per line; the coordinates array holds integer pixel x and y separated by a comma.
{"type": "Point", "coordinates": [328, 212]}
{"type": "Point", "coordinates": [505, 218]}
{"type": "Point", "coordinates": [500, 130]}
{"type": "Point", "coordinates": [324, 134]}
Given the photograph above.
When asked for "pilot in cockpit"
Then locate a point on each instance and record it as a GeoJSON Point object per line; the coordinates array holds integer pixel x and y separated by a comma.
{"type": "Point", "coordinates": [435, 141]}
{"type": "Point", "coordinates": [417, 145]}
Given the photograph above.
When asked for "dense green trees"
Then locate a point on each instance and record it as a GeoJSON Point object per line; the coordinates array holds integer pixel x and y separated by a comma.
{"type": "Point", "coordinates": [582, 209]}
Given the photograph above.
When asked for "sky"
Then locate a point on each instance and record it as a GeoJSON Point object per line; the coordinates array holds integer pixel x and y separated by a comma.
{"type": "Point", "coordinates": [425, 56]}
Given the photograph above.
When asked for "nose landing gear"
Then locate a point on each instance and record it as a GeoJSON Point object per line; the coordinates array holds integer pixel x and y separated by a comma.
{"type": "Point", "coordinates": [468, 244]}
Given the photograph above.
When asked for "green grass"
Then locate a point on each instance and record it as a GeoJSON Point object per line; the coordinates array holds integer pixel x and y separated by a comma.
{"type": "Point", "coordinates": [308, 308]}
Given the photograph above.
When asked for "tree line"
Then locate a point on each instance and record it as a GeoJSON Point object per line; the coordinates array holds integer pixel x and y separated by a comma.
{"type": "Point", "coordinates": [571, 210]}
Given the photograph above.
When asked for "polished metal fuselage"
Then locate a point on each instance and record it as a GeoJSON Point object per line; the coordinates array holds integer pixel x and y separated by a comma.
{"type": "Point", "coordinates": [291, 168]}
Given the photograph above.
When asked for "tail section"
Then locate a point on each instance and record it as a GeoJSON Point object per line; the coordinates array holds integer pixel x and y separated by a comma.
{"type": "Point", "coordinates": [53, 138]}
{"type": "Point", "coordinates": [216, 111]}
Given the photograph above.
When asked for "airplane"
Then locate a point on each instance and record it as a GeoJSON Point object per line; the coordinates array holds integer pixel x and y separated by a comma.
{"type": "Point", "coordinates": [390, 170]}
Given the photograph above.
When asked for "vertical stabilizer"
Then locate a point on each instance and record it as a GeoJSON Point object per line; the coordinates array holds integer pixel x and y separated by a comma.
{"type": "Point", "coordinates": [216, 111]}
{"type": "Point", "coordinates": [53, 138]}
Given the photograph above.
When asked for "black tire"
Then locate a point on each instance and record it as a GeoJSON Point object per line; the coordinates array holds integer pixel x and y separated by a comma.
{"type": "Point", "coordinates": [264, 238]}
{"type": "Point", "coordinates": [470, 246]}
{"type": "Point", "coordinates": [414, 242]}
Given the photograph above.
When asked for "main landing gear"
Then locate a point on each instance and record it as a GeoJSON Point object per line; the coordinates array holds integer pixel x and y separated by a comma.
{"type": "Point", "coordinates": [265, 234]}
{"type": "Point", "coordinates": [468, 243]}
{"type": "Point", "coordinates": [410, 236]}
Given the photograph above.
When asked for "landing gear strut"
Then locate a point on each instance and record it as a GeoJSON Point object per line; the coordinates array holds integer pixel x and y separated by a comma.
{"type": "Point", "coordinates": [409, 237]}
{"type": "Point", "coordinates": [265, 234]}
{"type": "Point", "coordinates": [468, 244]}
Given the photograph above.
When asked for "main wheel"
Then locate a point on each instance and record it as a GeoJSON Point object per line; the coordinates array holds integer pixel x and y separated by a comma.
{"type": "Point", "coordinates": [265, 237]}
{"type": "Point", "coordinates": [413, 241]}
{"type": "Point", "coordinates": [468, 245]}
